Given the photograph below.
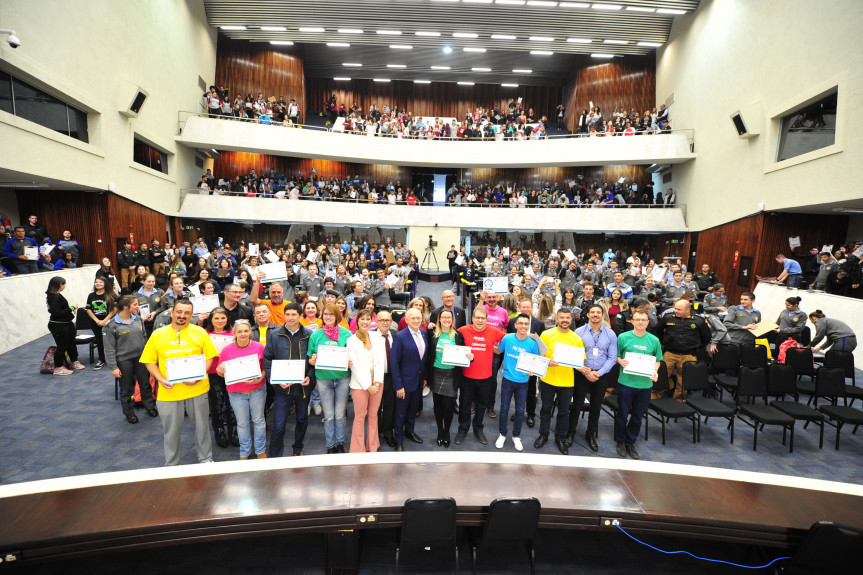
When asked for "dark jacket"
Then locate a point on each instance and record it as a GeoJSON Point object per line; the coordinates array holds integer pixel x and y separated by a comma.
{"type": "Point", "coordinates": [406, 366]}
{"type": "Point", "coordinates": [460, 317]}
{"type": "Point", "coordinates": [432, 352]}
{"type": "Point", "coordinates": [271, 329]}
{"type": "Point", "coordinates": [279, 346]}
{"type": "Point", "coordinates": [682, 335]}
{"type": "Point", "coordinates": [59, 309]}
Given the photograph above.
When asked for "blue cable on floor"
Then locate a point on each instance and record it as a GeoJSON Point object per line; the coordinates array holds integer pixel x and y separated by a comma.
{"type": "Point", "coordinates": [616, 524]}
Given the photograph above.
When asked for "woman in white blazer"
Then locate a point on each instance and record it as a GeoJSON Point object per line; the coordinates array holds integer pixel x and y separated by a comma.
{"type": "Point", "coordinates": [368, 362]}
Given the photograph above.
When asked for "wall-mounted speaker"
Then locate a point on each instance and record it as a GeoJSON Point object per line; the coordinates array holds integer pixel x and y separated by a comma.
{"type": "Point", "coordinates": [132, 100]}
{"type": "Point", "coordinates": [748, 121]}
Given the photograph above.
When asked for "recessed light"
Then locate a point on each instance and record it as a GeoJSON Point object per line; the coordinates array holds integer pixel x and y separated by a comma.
{"type": "Point", "coordinates": [422, 81]}
{"type": "Point", "coordinates": [650, 44]}
{"type": "Point", "coordinates": [480, 50]}
{"type": "Point", "coordinates": [233, 27]}
{"type": "Point", "coordinates": [574, 5]}
{"type": "Point", "coordinates": [274, 29]}
{"type": "Point", "coordinates": [621, 42]}
{"type": "Point", "coordinates": [464, 35]}
{"type": "Point", "coordinates": [522, 71]}
{"type": "Point", "coordinates": [511, 2]}
{"type": "Point", "coordinates": [541, 3]}
{"type": "Point", "coordinates": [465, 83]}
{"type": "Point", "coordinates": [510, 85]}
{"type": "Point", "coordinates": [450, 1]}
{"type": "Point", "coordinates": [447, 49]}
{"type": "Point", "coordinates": [338, 44]}
{"type": "Point", "coordinates": [639, 9]}
{"type": "Point", "coordinates": [541, 39]}
{"type": "Point", "coordinates": [606, 6]}
{"type": "Point", "coordinates": [390, 32]}
{"type": "Point", "coordinates": [350, 31]}
{"type": "Point", "coordinates": [481, 69]}
{"type": "Point", "coordinates": [382, 79]}
{"type": "Point", "coordinates": [281, 43]}
{"type": "Point", "coordinates": [427, 33]}
{"type": "Point", "coordinates": [311, 29]}
{"type": "Point", "coordinates": [502, 37]}
{"type": "Point", "coordinates": [598, 55]}
{"type": "Point", "coordinates": [670, 11]}
{"type": "Point", "coordinates": [341, 79]}
{"type": "Point", "coordinates": [401, 47]}
{"type": "Point", "coordinates": [541, 53]}
{"type": "Point", "coordinates": [352, 64]}
{"type": "Point", "coordinates": [579, 40]}
{"type": "Point", "coordinates": [396, 66]}
{"type": "Point", "coordinates": [441, 68]}
{"type": "Point", "coordinates": [478, 1]}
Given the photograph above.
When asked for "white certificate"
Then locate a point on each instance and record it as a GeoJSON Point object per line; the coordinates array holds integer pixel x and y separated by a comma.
{"type": "Point", "coordinates": [332, 357]}
{"type": "Point", "coordinates": [191, 368]}
{"type": "Point", "coordinates": [530, 363]}
{"type": "Point", "coordinates": [204, 303]}
{"type": "Point", "coordinates": [554, 253]}
{"type": "Point", "coordinates": [312, 256]}
{"type": "Point", "coordinates": [569, 255]}
{"type": "Point", "coordinates": [144, 311]}
{"type": "Point", "coordinates": [287, 371]}
{"type": "Point", "coordinates": [31, 253]}
{"type": "Point", "coordinates": [46, 249]}
{"type": "Point", "coordinates": [459, 260]}
{"type": "Point", "coordinates": [254, 250]}
{"type": "Point", "coordinates": [220, 341]}
{"type": "Point", "coordinates": [277, 271]}
{"type": "Point", "coordinates": [196, 291]}
{"type": "Point", "coordinates": [456, 355]}
{"type": "Point", "coordinates": [391, 280]}
{"type": "Point", "coordinates": [496, 286]}
{"type": "Point", "coordinates": [568, 355]}
{"type": "Point", "coordinates": [506, 252]}
{"type": "Point", "coordinates": [271, 257]}
{"type": "Point", "coordinates": [242, 369]}
{"type": "Point", "coordinates": [640, 364]}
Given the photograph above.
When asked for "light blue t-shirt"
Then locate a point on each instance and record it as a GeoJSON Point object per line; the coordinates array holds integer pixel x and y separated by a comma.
{"type": "Point", "coordinates": [792, 267]}
{"type": "Point", "coordinates": [512, 347]}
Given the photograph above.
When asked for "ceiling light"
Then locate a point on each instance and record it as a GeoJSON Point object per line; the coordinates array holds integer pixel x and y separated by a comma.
{"type": "Point", "coordinates": [441, 68]}
{"type": "Point", "coordinates": [281, 43]}
{"type": "Point", "coordinates": [478, 1]}
{"type": "Point", "coordinates": [650, 44]}
{"type": "Point", "coordinates": [233, 27]}
{"type": "Point", "coordinates": [307, 29]}
{"type": "Point", "coordinates": [401, 47]}
{"type": "Point", "coordinates": [467, 83]}
{"type": "Point", "coordinates": [422, 81]}
{"type": "Point", "coordinates": [606, 6]}
{"type": "Point", "coordinates": [511, 2]}
{"type": "Point", "coordinates": [522, 71]}
{"type": "Point", "coordinates": [480, 50]}
{"type": "Point", "coordinates": [382, 79]}
{"type": "Point", "coordinates": [541, 3]}
{"type": "Point", "coordinates": [541, 53]}
{"type": "Point", "coordinates": [621, 42]}
{"type": "Point", "coordinates": [274, 29]}
{"type": "Point", "coordinates": [574, 5]}
{"type": "Point", "coordinates": [639, 9]}
{"type": "Point", "coordinates": [541, 39]}
{"type": "Point", "coordinates": [447, 49]}
{"type": "Point", "coordinates": [579, 40]}
{"type": "Point", "coordinates": [338, 44]}
{"type": "Point", "coordinates": [427, 33]}
{"type": "Point", "coordinates": [350, 31]}
{"type": "Point", "coordinates": [22, 185]}
{"type": "Point", "coordinates": [341, 79]}
{"type": "Point", "coordinates": [396, 66]}
{"type": "Point", "coordinates": [450, 1]}
{"type": "Point", "coordinates": [502, 37]}
{"type": "Point", "coordinates": [510, 85]}
{"type": "Point", "coordinates": [598, 55]}
{"type": "Point", "coordinates": [464, 35]}
{"type": "Point", "coordinates": [670, 11]}
{"type": "Point", "coordinates": [352, 64]}
{"type": "Point", "coordinates": [481, 69]}
{"type": "Point", "coordinates": [390, 32]}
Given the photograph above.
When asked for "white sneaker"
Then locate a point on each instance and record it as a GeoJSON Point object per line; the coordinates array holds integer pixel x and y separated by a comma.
{"type": "Point", "coordinates": [501, 439]}
{"type": "Point", "coordinates": [426, 391]}
{"type": "Point", "coordinates": [62, 371]}
{"type": "Point", "coordinates": [517, 442]}
{"type": "Point", "coordinates": [317, 409]}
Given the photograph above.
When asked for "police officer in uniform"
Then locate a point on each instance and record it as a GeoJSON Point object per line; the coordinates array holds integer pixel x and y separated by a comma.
{"type": "Point", "coordinates": [127, 259]}
{"type": "Point", "coordinates": [792, 322]}
{"type": "Point", "coordinates": [681, 335]}
{"type": "Point", "coordinates": [705, 279]}
{"type": "Point", "coordinates": [740, 319]}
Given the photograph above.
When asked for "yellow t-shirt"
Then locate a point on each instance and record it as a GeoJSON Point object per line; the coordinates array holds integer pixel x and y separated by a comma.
{"type": "Point", "coordinates": [167, 343]}
{"type": "Point", "coordinates": [559, 376]}
{"type": "Point", "coordinates": [263, 331]}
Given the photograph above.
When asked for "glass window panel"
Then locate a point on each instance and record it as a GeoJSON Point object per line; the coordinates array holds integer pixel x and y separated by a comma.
{"type": "Point", "coordinates": [78, 124]}
{"type": "Point", "coordinates": [37, 106]}
{"type": "Point", "coordinates": [6, 92]}
{"type": "Point", "coordinates": [808, 129]}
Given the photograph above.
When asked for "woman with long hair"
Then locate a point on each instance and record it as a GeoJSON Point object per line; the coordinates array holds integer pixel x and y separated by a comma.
{"type": "Point", "coordinates": [368, 363]}
{"type": "Point", "coordinates": [419, 304]}
{"type": "Point", "coordinates": [613, 305]}
{"type": "Point", "coordinates": [100, 309]}
{"type": "Point", "coordinates": [61, 324]}
{"type": "Point", "coordinates": [219, 324]}
{"type": "Point", "coordinates": [137, 281]}
{"type": "Point", "coordinates": [224, 274]}
{"type": "Point", "coordinates": [311, 315]}
{"type": "Point", "coordinates": [333, 384]}
{"type": "Point", "coordinates": [365, 302]}
{"type": "Point", "coordinates": [444, 380]}
{"type": "Point", "coordinates": [151, 296]}
{"type": "Point", "coordinates": [106, 272]}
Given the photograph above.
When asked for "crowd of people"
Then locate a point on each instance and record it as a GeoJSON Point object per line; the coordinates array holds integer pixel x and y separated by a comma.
{"type": "Point", "coordinates": [259, 109]}
{"type": "Point", "coordinates": [601, 311]}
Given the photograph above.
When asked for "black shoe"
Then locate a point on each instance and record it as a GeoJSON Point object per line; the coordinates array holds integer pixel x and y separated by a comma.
{"type": "Point", "coordinates": [445, 441]}
{"type": "Point", "coordinates": [492, 413]}
{"type": "Point", "coordinates": [292, 409]}
{"type": "Point", "coordinates": [561, 446]}
{"type": "Point", "coordinates": [153, 412]}
{"type": "Point", "coordinates": [131, 417]}
{"type": "Point", "coordinates": [400, 447]}
{"type": "Point", "coordinates": [621, 449]}
{"type": "Point", "coordinates": [570, 437]}
{"type": "Point", "coordinates": [540, 441]}
{"type": "Point", "coordinates": [591, 442]}
{"type": "Point", "coordinates": [531, 421]}
{"type": "Point", "coordinates": [512, 418]}
{"type": "Point", "coordinates": [99, 365]}
{"type": "Point", "coordinates": [472, 409]}
{"type": "Point", "coordinates": [480, 436]}
{"type": "Point", "coordinates": [340, 448]}
{"type": "Point", "coordinates": [391, 441]}
{"type": "Point", "coordinates": [459, 437]}
{"type": "Point", "coordinates": [331, 449]}
{"type": "Point", "coordinates": [233, 436]}
{"type": "Point", "coordinates": [630, 449]}
{"type": "Point", "coordinates": [414, 437]}
{"type": "Point", "coordinates": [221, 438]}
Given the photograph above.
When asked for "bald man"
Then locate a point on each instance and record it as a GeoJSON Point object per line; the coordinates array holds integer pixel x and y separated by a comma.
{"type": "Point", "coordinates": [447, 298]}
{"type": "Point", "coordinates": [681, 334]}
{"type": "Point", "coordinates": [407, 364]}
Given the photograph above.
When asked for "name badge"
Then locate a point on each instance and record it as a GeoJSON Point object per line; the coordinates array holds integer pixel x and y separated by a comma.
{"type": "Point", "coordinates": [595, 352]}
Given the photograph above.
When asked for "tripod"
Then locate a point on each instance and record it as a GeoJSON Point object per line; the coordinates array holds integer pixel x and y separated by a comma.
{"type": "Point", "coordinates": [427, 259]}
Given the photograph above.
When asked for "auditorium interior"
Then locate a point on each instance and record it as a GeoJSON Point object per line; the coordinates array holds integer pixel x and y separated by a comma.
{"type": "Point", "coordinates": [105, 130]}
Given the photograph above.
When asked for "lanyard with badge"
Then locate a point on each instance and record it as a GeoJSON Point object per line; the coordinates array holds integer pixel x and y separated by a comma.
{"type": "Point", "coordinates": [595, 341]}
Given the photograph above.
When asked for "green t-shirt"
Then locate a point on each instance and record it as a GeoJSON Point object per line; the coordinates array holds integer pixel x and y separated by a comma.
{"type": "Point", "coordinates": [647, 344]}
{"type": "Point", "coordinates": [444, 339]}
{"type": "Point", "coordinates": [320, 338]}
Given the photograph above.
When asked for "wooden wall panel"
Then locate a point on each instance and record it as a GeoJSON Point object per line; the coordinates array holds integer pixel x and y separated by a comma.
{"type": "Point", "coordinates": [250, 67]}
{"type": "Point", "coordinates": [813, 229]}
{"type": "Point", "coordinates": [537, 176]}
{"type": "Point", "coordinates": [446, 99]}
{"type": "Point", "coordinates": [125, 216]}
{"type": "Point", "coordinates": [629, 82]}
{"type": "Point", "coordinates": [716, 247]}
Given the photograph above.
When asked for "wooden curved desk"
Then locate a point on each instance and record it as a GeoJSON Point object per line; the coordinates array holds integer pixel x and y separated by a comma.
{"type": "Point", "coordinates": [154, 507]}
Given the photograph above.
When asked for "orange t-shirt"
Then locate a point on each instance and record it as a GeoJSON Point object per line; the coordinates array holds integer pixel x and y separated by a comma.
{"type": "Point", "coordinates": [277, 312]}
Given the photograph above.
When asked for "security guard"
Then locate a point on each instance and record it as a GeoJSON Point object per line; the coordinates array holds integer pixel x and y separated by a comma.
{"type": "Point", "coordinates": [681, 335]}
{"type": "Point", "coordinates": [792, 322]}
{"type": "Point", "coordinates": [705, 279]}
{"type": "Point", "coordinates": [824, 270]}
{"type": "Point", "coordinates": [740, 319]}
{"type": "Point", "coordinates": [127, 259]}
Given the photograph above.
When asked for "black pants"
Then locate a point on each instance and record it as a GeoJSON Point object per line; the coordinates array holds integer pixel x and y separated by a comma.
{"type": "Point", "coordinates": [64, 339]}
{"type": "Point", "coordinates": [496, 362]}
{"type": "Point", "coordinates": [220, 407]}
{"type": "Point", "coordinates": [531, 397]}
{"type": "Point", "coordinates": [444, 406]}
{"type": "Point", "coordinates": [132, 370]}
{"type": "Point", "coordinates": [100, 344]}
{"type": "Point", "coordinates": [564, 399]}
{"type": "Point", "coordinates": [387, 417]}
{"type": "Point", "coordinates": [472, 391]}
{"type": "Point", "coordinates": [597, 394]}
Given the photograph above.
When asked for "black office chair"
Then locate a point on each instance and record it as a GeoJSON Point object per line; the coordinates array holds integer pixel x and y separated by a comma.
{"type": "Point", "coordinates": [753, 356]}
{"type": "Point", "coordinates": [845, 360]}
{"type": "Point", "coordinates": [667, 408]}
{"type": "Point", "coordinates": [726, 358]}
{"type": "Point", "coordinates": [802, 362]}
{"type": "Point", "coordinates": [399, 299]}
{"type": "Point", "coordinates": [397, 315]}
{"type": "Point", "coordinates": [509, 520]}
{"type": "Point", "coordinates": [753, 384]}
{"type": "Point", "coordinates": [830, 384]}
{"type": "Point", "coordinates": [781, 383]}
{"type": "Point", "coordinates": [695, 379]}
{"type": "Point", "coordinates": [428, 522]}
{"type": "Point", "coordinates": [828, 548]}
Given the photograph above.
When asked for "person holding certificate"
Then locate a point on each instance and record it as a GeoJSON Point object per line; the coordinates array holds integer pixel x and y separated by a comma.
{"type": "Point", "coordinates": [368, 363]}
{"type": "Point", "coordinates": [238, 364]}
{"type": "Point", "coordinates": [124, 338]}
{"type": "Point", "coordinates": [444, 378]}
{"type": "Point", "coordinates": [218, 326]}
{"type": "Point", "coordinates": [178, 356]}
{"type": "Point", "coordinates": [600, 358]}
{"type": "Point", "coordinates": [637, 352]}
{"type": "Point", "coordinates": [332, 370]}
{"type": "Point", "coordinates": [515, 383]}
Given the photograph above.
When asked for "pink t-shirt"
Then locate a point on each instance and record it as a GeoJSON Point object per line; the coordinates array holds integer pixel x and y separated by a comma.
{"type": "Point", "coordinates": [231, 351]}
{"type": "Point", "coordinates": [215, 363]}
{"type": "Point", "coordinates": [498, 318]}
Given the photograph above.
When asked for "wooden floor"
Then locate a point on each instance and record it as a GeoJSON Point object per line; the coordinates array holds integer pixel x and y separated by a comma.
{"type": "Point", "coordinates": [306, 497]}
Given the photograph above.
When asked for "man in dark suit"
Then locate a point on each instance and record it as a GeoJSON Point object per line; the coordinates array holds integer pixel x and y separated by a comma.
{"type": "Point", "coordinates": [407, 363]}
{"type": "Point", "coordinates": [537, 326]}
{"type": "Point", "coordinates": [448, 300]}
{"type": "Point", "coordinates": [387, 416]}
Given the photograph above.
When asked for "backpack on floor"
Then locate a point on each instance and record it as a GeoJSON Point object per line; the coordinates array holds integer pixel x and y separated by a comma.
{"type": "Point", "coordinates": [47, 366]}
{"type": "Point", "coordinates": [136, 397]}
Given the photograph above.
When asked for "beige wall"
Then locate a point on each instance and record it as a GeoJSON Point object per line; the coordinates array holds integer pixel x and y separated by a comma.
{"type": "Point", "coordinates": [730, 54]}
{"type": "Point", "coordinates": [418, 241]}
{"type": "Point", "coordinates": [92, 53]}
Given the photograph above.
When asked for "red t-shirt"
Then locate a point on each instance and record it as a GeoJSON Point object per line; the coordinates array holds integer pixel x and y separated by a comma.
{"type": "Point", "coordinates": [482, 343]}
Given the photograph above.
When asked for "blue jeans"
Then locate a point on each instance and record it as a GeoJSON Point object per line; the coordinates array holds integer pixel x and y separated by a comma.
{"type": "Point", "coordinates": [244, 404]}
{"type": "Point", "coordinates": [282, 402]}
{"type": "Point", "coordinates": [632, 404]}
{"type": "Point", "coordinates": [507, 390]}
{"type": "Point", "coordinates": [334, 401]}
{"type": "Point", "coordinates": [316, 397]}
